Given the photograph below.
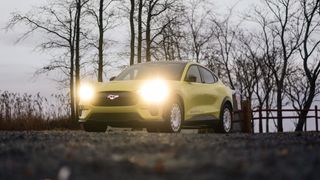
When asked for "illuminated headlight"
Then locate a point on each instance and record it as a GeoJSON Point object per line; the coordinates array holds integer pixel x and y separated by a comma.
{"type": "Point", "coordinates": [154, 91]}
{"type": "Point", "coordinates": [86, 92]}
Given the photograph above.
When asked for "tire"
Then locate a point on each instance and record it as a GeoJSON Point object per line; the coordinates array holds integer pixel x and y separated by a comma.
{"type": "Point", "coordinates": [94, 127]}
{"type": "Point", "coordinates": [173, 118]}
{"type": "Point", "coordinates": [152, 130]}
{"type": "Point", "coordinates": [225, 122]}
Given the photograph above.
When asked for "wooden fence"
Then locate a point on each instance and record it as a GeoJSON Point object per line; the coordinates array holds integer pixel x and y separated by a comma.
{"type": "Point", "coordinates": [268, 114]}
{"type": "Point", "coordinates": [247, 118]}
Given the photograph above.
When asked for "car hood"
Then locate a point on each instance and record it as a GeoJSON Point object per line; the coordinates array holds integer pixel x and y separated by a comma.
{"type": "Point", "coordinates": [132, 85]}
{"type": "Point", "coordinates": [119, 86]}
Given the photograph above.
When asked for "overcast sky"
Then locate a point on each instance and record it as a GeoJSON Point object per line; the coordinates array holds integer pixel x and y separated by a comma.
{"type": "Point", "coordinates": [18, 62]}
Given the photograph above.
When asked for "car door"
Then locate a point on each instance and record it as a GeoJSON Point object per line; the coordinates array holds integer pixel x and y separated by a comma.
{"type": "Point", "coordinates": [210, 94]}
{"type": "Point", "coordinates": [194, 106]}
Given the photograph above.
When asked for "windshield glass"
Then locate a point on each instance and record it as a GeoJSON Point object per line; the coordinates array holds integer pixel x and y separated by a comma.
{"type": "Point", "coordinates": [167, 71]}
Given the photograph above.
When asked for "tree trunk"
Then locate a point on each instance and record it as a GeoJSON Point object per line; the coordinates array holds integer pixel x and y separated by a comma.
{"type": "Point", "coordinates": [260, 120]}
{"type": "Point", "coordinates": [306, 108]}
{"type": "Point", "coordinates": [132, 33]}
{"type": "Point", "coordinates": [229, 72]}
{"type": "Point", "coordinates": [197, 56]}
{"type": "Point", "coordinates": [140, 31]}
{"type": "Point", "coordinates": [279, 107]}
{"type": "Point", "coordinates": [148, 35]}
{"type": "Point", "coordinates": [267, 114]}
{"type": "Point", "coordinates": [101, 34]}
{"type": "Point", "coordinates": [72, 94]}
{"type": "Point", "coordinates": [77, 56]}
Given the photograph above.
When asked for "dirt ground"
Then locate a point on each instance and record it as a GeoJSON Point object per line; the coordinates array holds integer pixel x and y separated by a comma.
{"type": "Point", "coordinates": [141, 155]}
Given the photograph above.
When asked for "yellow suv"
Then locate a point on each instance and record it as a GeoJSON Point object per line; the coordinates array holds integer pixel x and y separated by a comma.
{"type": "Point", "coordinates": [159, 96]}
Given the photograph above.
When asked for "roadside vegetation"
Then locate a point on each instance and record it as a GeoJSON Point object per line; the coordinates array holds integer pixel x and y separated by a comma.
{"type": "Point", "coordinates": [34, 112]}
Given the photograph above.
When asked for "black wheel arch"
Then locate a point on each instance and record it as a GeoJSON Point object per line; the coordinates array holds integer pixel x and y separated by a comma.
{"type": "Point", "coordinates": [227, 100]}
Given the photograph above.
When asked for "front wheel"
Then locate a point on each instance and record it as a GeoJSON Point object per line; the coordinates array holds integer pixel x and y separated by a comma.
{"type": "Point", "coordinates": [94, 127]}
{"type": "Point", "coordinates": [225, 122]}
{"type": "Point", "coordinates": [174, 118]}
{"type": "Point", "coordinates": [152, 130]}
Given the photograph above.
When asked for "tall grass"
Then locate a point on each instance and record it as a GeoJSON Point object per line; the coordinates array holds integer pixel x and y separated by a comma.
{"type": "Point", "coordinates": [34, 112]}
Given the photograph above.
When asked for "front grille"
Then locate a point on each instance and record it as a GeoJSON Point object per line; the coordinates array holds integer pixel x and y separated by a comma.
{"type": "Point", "coordinates": [115, 117]}
{"type": "Point", "coordinates": [115, 98]}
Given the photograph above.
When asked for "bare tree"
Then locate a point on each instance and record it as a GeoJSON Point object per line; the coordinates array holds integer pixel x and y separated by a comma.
{"type": "Point", "coordinates": [287, 29]}
{"type": "Point", "coordinates": [58, 20]}
{"type": "Point", "coordinates": [265, 41]}
{"type": "Point", "coordinates": [197, 16]}
{"type": "Point", "coordinates": [79, 6]}
{"type": "Point", "coordinates": [249, 51]}
{"type": "Point", "coordinates": [141, 4]}
{"type": "Point", "coordinates": [61, 21]}
{"type": "Point", "coordinates": [105, 17]}
{"type": "Point", "coordinates": [168, 33]}
{"type": "Point", "coordinates": [244, 70]}
{"type": "Point", "coordinates": [154, 9]}
{"type": "Point", "coordinates": [101, 40]}
{"type": "Point", "coordinates": [298, 88]}
{"type": "Point", "coordinates": [225, 34]}
{"type": "Point", "coordinates": [171, 41]}
{"type": "Point", "coordinates": [311, 63]}
{"type": "Point", "coordinates": [132, 31]}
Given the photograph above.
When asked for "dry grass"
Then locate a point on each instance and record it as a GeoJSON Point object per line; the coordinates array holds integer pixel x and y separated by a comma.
{"type": "Point", "coordinates": [34, 112]}
{"type": "Point", "coordinates": [38, 124]}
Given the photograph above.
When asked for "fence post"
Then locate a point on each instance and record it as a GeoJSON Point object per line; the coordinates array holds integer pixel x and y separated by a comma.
{"type": "Point", "coordinates": [305, 125]}
{"type": "Point", "coordinates": [267, 120]}
{"type": "Point", "coordinates": [316, 117]}
{"type": "Point", "coordinates": [252, 121]}
{"type": "Point", "coordinates": [260, 120]}
{"type": "Point", "coordinates": [247, 117]}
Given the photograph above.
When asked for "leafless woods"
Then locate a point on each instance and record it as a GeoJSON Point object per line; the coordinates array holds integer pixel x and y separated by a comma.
{"type": "Point", "coordinates": [269, 53]}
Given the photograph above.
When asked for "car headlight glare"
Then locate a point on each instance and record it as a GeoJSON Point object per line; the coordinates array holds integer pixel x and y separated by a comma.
{"type": "Point", "coordinates": [154, 91]}
{"type": "Point", "coordinates": [86, 92]}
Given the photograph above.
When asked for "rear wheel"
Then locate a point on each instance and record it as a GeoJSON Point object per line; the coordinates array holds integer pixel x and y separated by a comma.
{"type": "Point", "coordinates": [94, 127]}
{"type": "Point", "coordinates": [225, 122]}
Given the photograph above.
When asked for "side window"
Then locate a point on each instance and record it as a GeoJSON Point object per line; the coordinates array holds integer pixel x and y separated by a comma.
{"type": "Point", "coordinates": [194, 71]}
{"type": "Point", "coordinates": [207, 76]}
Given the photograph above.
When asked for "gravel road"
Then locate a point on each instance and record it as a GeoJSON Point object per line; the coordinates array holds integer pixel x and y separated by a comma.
{"type": "Point", "coordinates": [139, 155]}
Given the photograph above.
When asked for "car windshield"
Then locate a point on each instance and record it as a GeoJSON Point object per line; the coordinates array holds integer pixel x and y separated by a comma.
{"type": "Point", "coordinates": [167, 71]}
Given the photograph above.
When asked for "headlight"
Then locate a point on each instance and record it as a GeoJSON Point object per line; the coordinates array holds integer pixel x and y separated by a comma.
{"type": "Point", "coordinates": [86, 92]}
{"type": "Point", "coordinates": [154, 91]}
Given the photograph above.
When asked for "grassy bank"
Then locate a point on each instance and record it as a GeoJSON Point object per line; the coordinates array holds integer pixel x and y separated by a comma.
{"type": "Point", "coordinates": [35, 112]}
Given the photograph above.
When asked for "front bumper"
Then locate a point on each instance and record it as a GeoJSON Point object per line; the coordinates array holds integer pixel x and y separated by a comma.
{"type": "Point", "coordinates": [123, 116]}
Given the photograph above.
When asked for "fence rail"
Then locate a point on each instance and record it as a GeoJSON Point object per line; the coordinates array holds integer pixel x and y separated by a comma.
{"type": "Point", "coordinates": [266, 114]}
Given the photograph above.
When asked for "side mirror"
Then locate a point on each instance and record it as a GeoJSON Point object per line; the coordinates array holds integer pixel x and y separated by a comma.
{"type": "Point", "coordinates": [112, 78]}
{"type": "Point", "coordinates": [192, 79]}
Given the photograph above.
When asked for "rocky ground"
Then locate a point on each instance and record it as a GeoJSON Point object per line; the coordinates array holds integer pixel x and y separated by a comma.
{"type": "Point", "coordinates": [139, 155]}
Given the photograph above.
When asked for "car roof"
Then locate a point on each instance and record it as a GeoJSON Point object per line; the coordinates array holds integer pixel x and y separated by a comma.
{"type": "Point", "coordinates": [166, 62]}
{"type": "Point", "coordinates": [171, 62]}
{"type": "Point", "coordinates": [183, 63]}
